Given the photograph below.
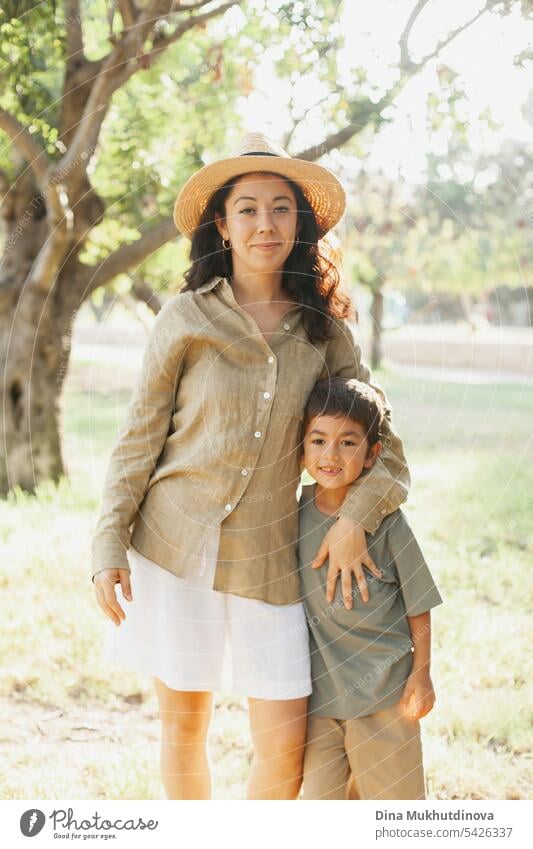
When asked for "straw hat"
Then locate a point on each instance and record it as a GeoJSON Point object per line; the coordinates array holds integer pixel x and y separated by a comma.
{"type": "Point", "coordinates": [257, 153]}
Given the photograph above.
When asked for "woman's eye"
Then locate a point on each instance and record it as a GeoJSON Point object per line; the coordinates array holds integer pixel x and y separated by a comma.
{"type": "Point", "coordinates": [317, 441]}
{"type": "Point", "coordinates": [277, 209]}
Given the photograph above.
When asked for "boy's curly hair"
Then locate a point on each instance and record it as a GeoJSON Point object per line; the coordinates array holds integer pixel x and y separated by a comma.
{"type": "Point", "coordinates": [349, 398]}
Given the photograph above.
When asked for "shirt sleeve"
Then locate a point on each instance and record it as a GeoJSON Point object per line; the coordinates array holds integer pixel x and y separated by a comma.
{"type": "Point", "coordinates": [383, 488]}
{"type": "Point", "coordinates": [417, 586]}
{"type": "Point", "coordinates": [141, 438]}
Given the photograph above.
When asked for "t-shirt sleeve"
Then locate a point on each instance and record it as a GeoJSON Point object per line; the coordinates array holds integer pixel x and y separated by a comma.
{"type": "Point", "coordinates": [417, 586]}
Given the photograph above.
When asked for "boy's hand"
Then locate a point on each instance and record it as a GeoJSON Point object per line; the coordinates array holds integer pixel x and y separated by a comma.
{"type": "Point", "coordinates": [345, 545]}
{"type": "Point", "coordinates": [418, 696]}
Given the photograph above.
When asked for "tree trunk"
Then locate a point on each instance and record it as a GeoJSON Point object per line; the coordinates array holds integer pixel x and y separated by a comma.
{"type": "Point", "coordinates": [376, 313]}
{"type": "Point", "coordinates": [30, 354]}
{"type": "Point", "coordinates": [35, 329]}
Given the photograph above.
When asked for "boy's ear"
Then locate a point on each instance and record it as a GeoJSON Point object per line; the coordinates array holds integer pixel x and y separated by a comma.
{"type": "Point", "coordinates": [373, 453]}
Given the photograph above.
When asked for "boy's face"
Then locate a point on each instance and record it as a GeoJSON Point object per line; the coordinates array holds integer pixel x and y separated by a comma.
{"type": "Point", "coordinates": [336, 451]}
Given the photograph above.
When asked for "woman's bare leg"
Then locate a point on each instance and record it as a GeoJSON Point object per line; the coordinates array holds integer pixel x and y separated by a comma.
{"type": "Point", "coordinates": [184, 725]}
{"type": "Point", "coordinates": [278, 733]}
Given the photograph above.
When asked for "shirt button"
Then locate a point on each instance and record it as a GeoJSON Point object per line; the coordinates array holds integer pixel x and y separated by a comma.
{"type": "Point", "coordinates": [227, 507]}
{"type": "Point", "coordinates": [271, 359]}
{"type": "Point", "coordinates": [266, 394]}
{"type": "Point", "coordinates": [244, 472]}
{"type": "Point", "coordinates": [383, 512]}
{"type": "Point", "coordinates": [257, 434]}
{"type": "Point", "coordinates": [286, 326]}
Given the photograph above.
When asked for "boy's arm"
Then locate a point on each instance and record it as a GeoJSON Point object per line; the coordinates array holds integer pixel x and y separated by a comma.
{"type": "Point", "coordinates": [384, 487]}
{"type": "Point", "coordinates": [420, 595]}
{"type": "Point", "coordinates": [420, 628]}
{"type": "Point", "coordinates": [418, 696]}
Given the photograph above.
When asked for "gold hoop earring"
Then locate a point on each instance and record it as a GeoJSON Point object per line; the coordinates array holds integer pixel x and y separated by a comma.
{"type": "Point", "coordinates": [224, 245]}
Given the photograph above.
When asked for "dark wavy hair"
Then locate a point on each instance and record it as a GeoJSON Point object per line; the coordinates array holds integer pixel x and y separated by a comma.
{"type": "Point", "coordinates": [348, 398]}
{"type": "Point", "coordinates": [309, 275]}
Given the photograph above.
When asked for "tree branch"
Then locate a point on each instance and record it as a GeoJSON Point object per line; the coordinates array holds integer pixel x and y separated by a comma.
{"type": "Point", "coordinates": [6, 197]}
{"type": "Point", "coordinates": [408, 70]}
{"type": "Point", "coordinates": [449, 38]}
{"type": "Point", "coordinates": [406, 64]}
{"type": "Point", "coordinates": [287, 138]}
{"type": "Point", "coordinates": [73, 26]}
{"type": "Point", "coordinates": [189, 7]}
{"type": "Point", "coordinates": [129, 13]}
{"type": "Point", "coordinates": [44, 270]}
{"type": "Point", "coordinates": [26, 144]}
{"type": "Point", "coordinates": [144, 293]}
{"type": "Point", "coordinates": [130, 256]}
{"type": "Point", "coordinates": [116, 69]}
{"type": "Point", "coordinates": [5, 184]}
{"type": "Point", "coordinates": [336, 139]}
{"type": "Point", "coordinates": [161, 42]}
{"type": "Point", "coordinates": [59, 215]}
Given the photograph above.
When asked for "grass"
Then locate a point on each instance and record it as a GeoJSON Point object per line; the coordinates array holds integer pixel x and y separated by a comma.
{"type": "Point", "coordinates": [77, 729]}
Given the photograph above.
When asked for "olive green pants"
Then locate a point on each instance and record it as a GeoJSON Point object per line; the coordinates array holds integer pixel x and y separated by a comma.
{"type": "Point", "coordinates": [370, 757]}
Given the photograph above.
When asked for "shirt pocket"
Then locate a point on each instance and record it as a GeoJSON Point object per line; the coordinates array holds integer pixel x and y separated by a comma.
{"type": "Point", "coordinates": [290, 406]}
{"type": "Point", "coordinates": [288, 417]}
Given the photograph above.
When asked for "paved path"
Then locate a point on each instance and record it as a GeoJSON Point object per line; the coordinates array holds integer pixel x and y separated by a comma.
{"type": "Point", "coordinates": [447, 353]}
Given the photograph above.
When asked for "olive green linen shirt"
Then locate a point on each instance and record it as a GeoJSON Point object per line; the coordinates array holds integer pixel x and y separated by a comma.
{"type": "Point", "coordinates": [211, 438]}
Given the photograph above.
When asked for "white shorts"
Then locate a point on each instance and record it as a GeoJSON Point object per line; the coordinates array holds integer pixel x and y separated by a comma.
{"type": "Point", "coordinates": [195, 638]}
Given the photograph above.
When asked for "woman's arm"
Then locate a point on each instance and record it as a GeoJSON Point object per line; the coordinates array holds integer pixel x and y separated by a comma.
{"type": "Point", "coordinates": [383, 487]}
{"type": "Point", "coordinates": [378, 492]}
{"type": "Point", "coordinates": [141, 439]}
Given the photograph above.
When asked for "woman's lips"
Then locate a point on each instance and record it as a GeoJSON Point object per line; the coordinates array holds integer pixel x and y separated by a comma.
{"type": "Point", "coordinates": [267, 247]}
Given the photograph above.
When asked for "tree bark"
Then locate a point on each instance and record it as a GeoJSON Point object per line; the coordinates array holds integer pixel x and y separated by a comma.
{"type": "Point", "coordinates": [35, 327]}
{"type": "Point", "coordinates": [35, 330]}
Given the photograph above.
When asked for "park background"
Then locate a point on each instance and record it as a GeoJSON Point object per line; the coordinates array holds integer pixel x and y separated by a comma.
{"type": "Point", "coordinates": [424, 109]}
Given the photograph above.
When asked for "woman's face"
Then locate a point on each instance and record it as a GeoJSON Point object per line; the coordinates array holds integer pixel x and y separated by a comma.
{"type": "Point", "coordinates": [260, 210]}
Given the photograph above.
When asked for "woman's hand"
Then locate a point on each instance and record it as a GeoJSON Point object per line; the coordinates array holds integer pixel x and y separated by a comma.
{"type": "Point", "coordinates": [106, 596]}
{"type": "Point", "coordinates": [345, 545]}
{"type": "Point", "coordinates": [418, 696]}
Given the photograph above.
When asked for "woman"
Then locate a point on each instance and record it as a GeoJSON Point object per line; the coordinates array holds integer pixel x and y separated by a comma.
{"type": "Point", "coordinates": [206, 468]}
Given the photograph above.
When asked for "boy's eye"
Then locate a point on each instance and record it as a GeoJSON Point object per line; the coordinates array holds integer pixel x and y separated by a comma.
{"type": "Point", "coordinates": [317, 441]}
{"type": "Point", "coordinates": [348, 442]}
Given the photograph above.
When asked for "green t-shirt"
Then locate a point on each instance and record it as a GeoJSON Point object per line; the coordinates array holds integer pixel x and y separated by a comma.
{"type": "Point", "coordinates": [360, 658]}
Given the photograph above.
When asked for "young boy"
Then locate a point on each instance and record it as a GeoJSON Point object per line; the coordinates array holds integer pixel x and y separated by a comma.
{"type": "Point", "coordinates": [370, 663]}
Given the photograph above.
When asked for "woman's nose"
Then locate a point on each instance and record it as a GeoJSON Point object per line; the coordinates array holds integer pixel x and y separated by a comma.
{"type": "Point", "coordinates": [264, 222]}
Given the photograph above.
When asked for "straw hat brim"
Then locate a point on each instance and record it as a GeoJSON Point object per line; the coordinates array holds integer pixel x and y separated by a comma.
{"type": "Point", "coordinates": [322, 189]}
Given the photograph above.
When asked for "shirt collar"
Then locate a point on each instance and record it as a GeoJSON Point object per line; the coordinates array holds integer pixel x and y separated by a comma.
{"type": "Point", "coordinates": [211, 284]}
{"type": "Point", "coordinates": [224, 283]}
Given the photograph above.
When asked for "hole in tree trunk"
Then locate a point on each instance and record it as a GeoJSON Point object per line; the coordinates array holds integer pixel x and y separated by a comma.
{"type": "Point", "coordinates": [15, 393]}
